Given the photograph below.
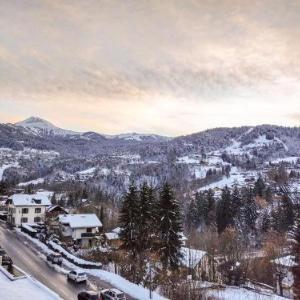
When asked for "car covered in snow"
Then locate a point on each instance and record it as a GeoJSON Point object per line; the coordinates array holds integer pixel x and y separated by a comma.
{"type": "Point", "coordinates": [112, 294]}
{"type": "Point", "coordinates": [77, 276]}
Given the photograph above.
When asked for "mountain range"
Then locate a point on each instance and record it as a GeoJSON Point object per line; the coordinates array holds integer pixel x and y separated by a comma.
{"type": "Point", "coordinates": [34, 150]}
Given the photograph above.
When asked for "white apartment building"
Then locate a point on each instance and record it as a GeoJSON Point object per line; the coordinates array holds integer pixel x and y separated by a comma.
{"type": "Point", "coordinates": [27, 208]}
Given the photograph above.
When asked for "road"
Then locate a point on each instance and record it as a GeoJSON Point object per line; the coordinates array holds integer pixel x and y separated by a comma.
{"type": "Point", "coordinates": [25, 256]}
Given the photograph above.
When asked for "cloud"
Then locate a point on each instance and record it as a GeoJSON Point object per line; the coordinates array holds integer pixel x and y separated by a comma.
{"type": "Point", "coordinates": [182, 58]}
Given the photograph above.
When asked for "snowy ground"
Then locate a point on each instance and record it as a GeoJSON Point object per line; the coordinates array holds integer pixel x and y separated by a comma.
{"type": "Point", "coordinates": [24, 288]}
{"type": "Point", "coordinates": [235, 293]}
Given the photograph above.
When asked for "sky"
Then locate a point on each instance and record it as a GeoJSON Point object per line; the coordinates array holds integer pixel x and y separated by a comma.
{"type": "Point", "coordinates": [169, 67]}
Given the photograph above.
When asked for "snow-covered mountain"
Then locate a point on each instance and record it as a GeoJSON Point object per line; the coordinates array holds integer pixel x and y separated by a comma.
{"type": "Point", "coordinates": [37, 151]}
{"type": "Point", "coordinates": [41, 126]}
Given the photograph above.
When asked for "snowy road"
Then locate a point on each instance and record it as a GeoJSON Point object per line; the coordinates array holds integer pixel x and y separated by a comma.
{"type": "Point", "coordinates": [26, 257]}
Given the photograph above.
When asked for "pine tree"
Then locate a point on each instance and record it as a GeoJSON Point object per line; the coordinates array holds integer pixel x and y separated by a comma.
{"type": "Point", "coordinates": [296, 268]}
{"type": "Point", "coordinates": [259, 187]}
{"type": "Point", "coordinates": [224, 210]}
{"type": "Point", "coordinates": [236, 201]}
{"type": "Point", "coordinates": [147, 221]}
{"type": "Point", "coordinates": [129, 217]}
{"type": "Point", "coordinates": [192, 216]}
{"type": "Point", "coordinates": [169, 229]}
{"type": "Point", "coordinates": [287, 213]}
{"type": "Point", "coordinates": [211, 208]}
{"type": "Point", "coordinates": [202, 207]}
{"type": "Point", "coordinates": [250, 208]}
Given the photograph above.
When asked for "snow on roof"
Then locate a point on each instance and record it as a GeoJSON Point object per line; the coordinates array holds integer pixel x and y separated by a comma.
{"type": "Point", "coordinates": [191, 257]}
{"type": "Point", "coordinates": [183, 238]}
{"type": "Point", "coordinates": [80, 220]}
{"type": "Point", "coordinates": [286, 261]}
{"type": "Point", "coordinates": [53, 207]}
{"type": "Point", "coordinates": [116, 230]}
{"type": "Point", "coordinates": [112, 236]}
{"type": "Point", "coordinates": [30, 199]}
{"type": "Point", "coordinates": [24, 287]}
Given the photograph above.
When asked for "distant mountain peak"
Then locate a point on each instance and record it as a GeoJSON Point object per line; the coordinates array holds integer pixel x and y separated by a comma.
{"type": "Point", "coordinates": [41, 126]}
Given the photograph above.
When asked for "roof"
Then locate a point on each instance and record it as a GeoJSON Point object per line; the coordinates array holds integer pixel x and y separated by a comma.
{"type": "Point", "coordinates": [80, 220]}
{"type": "Point", "coordinates": [30, 199]}
{"type": "Point", "coordinates": [183, 238]}
{"type": "Point", "coordinates": [286, 261]}
{"type": "Point", "coordinates": [191, 257]}
{"type": "Point", "coordinates": [116, 230]}
{"type": "Point", "coordinates": [112, 236]}
{"type": "Point", "coordinates": [24, 287]}
{"type": "Point", "coordinates": [56, 207]}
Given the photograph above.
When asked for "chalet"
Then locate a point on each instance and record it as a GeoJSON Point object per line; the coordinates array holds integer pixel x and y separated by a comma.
{"type": "Point", "coordinates": [52, 221]}
{"type": "Point", "coordinates": [197, 264]}
{"type": "Point", "coordinates": [82, 228]}
{"type": "Point", "coordinates": [27, 208]}
{"type": "Point", "coordinates": [113, 239]}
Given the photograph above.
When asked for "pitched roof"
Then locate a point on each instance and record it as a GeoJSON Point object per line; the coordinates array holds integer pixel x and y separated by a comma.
{"type": "Point", "coordinates": [56, 207]}
{"type": "Point", "coordinates": [30, 199]}
{"type": "Point", "coordinates": [80, 220]}
{"type": "Point", "coordinates": [191, 257]}
{"type": "Point", "coordinates": [112, 236]}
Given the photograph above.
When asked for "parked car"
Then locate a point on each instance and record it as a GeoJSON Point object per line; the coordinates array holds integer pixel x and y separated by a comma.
{"type": "Point", "coordinates": [88, 295]}
{"type": "Point", "coordinates": [77, 276]}
{"type": "Point", "coordinates": [55, 258]}
{"type": "Point", "coordinates": [6, 261]}
{"type": "Point", "coordinates": [112, 294]}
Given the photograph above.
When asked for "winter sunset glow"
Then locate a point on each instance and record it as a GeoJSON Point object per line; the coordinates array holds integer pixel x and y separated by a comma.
{"type": "Point", "coordinates": [147, 66]}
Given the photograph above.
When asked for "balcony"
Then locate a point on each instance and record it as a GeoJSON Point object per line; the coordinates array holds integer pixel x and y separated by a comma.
{"type": "Point", "coordinates": [88, 235]}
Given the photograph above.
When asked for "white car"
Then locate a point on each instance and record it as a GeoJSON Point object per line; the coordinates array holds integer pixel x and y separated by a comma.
{"type": "Point", "coordinates": [112, 294]}
{"type": "Point", "coordinates": [77, 276]}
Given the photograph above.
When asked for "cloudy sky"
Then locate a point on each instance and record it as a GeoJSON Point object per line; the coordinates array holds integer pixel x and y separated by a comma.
{"type": "Point", "coordinates": [169, 67]}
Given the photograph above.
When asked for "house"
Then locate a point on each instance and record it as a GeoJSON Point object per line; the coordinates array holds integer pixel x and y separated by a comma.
{"type": "Point", "coordinates": [198, 264]}
{"type": "Point", "coordinates": [52, 213]}
{"type": "Point", "coordinates": [82, 228]}
{"type": "Point", "coordinates": [113, 239]}
{"type": "Point", "coordinates": [27, 208]}
{"type": "Point", "coordinates": [284, 275]}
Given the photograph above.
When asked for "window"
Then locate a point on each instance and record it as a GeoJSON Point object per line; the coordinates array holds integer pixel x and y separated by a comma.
{"type": "Point", "coordinates": [89, 230]}
{"type": "Point", "coordinates": [37, 220]}
{"type": "Point", "coordinates": [24, 210]}
{"type": "Point", "coordinates": [38, 210]}
{"type": "Point", "coordinates": [24, 220]}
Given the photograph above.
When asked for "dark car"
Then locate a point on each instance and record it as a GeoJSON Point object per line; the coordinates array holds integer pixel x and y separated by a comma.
{"type": "Point", "coordinates": [55, 258]}
{"type": "Point", "coordinates": [88, 295]}
{"type": "Point", "coordinates": [6, 261]}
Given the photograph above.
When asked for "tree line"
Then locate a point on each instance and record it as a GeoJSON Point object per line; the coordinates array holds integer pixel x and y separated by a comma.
{"type": "Point", "coordinates": [151, 231]}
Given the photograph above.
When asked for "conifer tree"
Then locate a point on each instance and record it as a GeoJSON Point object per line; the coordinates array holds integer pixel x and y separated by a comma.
{"type": "Point", "coordinates": [250, 208]}
{"type": "Point", "coordinates": [287, 213]}
{"type": "Point", "coordinates": [224, 213]}
{"type": "Point", "coordinates": [259, 187]}
{"type": "Point", "coordinates": [236, 201]}
{"type": "Point", "coordinates": [202, 207]}
{"type": "Point", "coordinates": [129, 217]}
{"type": "Point", "coordinates": [296, 268]}
{"type": "Point", "coordinates": [147, 221]}
{"type": "Point", "coordinates": [211, 208]}
{"type": "Point", "coordinates": [169, 229]}
{"type": "Point", "coordinates": [192, 216]}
